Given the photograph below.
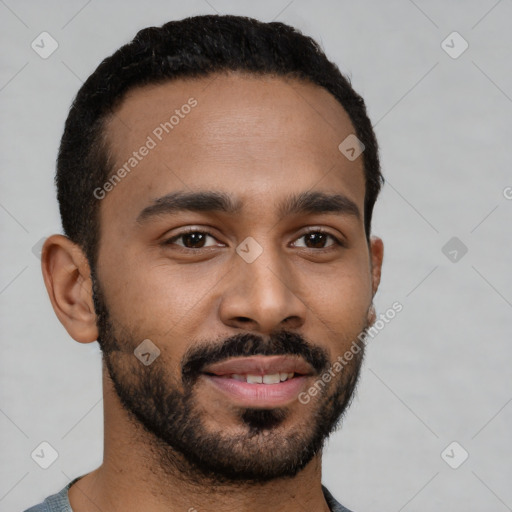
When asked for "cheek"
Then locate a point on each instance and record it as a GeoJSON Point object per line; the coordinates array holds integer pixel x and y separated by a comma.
{"type": "Point", "coordinates": [344, 299]}
{"type": "Point", "coordinates": [339, 299]}
{"type": "Point", "coordinates": [155, 299]}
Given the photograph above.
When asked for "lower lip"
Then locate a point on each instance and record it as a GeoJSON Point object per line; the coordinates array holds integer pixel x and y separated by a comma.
{"type": "Point", "coordinates": [258, 395]}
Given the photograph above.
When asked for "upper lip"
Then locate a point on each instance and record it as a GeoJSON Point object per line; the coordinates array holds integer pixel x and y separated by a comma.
{"type": "Point", "coordinates": [261, 365]}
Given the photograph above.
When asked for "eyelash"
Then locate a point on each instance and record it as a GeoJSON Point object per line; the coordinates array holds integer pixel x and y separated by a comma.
{"type": "Point", "coordinates": [170, 241]}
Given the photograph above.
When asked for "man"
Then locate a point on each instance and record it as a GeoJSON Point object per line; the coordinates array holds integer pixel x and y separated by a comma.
{"type": "Point", "coordinates": [216, 180]}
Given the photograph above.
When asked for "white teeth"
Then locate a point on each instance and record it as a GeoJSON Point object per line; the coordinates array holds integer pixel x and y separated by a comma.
{"type": "Point", "coordinates": [271, 379]}
{"type": "Point", "coordinates": [254, 379]}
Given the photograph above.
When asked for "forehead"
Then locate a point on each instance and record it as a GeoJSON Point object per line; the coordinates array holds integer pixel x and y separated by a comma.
{"type": "Point", "coordinates": [247, 135]}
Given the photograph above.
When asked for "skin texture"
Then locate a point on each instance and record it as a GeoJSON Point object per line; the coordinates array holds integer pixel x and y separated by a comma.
{"type": "Point", "coordinates": [259, 139]}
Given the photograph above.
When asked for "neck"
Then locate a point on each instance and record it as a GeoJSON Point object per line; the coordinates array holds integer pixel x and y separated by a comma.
{"type": "Point", "coordinates": [132, 478]}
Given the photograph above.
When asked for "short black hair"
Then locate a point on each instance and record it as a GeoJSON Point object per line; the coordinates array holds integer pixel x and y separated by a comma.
{"type": "Point", "coordinates": [193, 47]}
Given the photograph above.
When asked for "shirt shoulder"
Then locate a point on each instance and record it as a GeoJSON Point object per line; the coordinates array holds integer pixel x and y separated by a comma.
{"type": "Point", "coordinates": [58, 502]}
{"type": "Point", "coordinates": [55, 503]}
{"type": "Point", "coordinates": [334, 505]}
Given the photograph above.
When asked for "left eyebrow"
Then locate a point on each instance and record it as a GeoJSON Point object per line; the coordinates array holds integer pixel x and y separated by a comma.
{"type": "Point", "coordinates": [319, 203]}
{"type": "Point", "coordinates": [211, 201]}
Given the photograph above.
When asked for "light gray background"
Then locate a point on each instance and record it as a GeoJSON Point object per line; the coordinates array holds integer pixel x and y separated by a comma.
{"type": "Point", "coordinates": [438, 373]}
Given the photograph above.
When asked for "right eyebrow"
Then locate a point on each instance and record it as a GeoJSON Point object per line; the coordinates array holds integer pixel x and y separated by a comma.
{"type": "Point", "coordinates": [190, 201]}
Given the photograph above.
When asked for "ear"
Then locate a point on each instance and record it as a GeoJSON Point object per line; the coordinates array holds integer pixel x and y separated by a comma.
{"type": "Point", "coordinates": [67, 277]}
{"type": "Point", "coordinates": [377, 255]}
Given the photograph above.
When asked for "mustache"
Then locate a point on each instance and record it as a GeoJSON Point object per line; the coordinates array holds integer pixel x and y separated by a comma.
{"type": "Point", "coordinates": [245, 345]}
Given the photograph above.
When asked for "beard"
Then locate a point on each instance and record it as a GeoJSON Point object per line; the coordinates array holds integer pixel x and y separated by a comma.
{"type": "Point", "coordinates": [264, 446]}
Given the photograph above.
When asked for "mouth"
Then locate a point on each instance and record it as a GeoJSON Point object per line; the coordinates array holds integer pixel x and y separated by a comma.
{"type": "Point", "coordinates": [259, 381]}
{"type": "Point", "coordinates": [270, 378]}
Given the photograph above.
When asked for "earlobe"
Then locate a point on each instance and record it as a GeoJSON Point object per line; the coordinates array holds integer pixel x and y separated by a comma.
{"type": "Point", "coordinates": [67, 279]}
{"type": "Point", "coordinates": [371, 316]}
{"type": "Point", "coordinates": [377, 256]}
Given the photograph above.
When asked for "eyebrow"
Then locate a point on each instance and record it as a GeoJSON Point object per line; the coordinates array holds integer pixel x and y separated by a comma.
{"type": "Point", "coordinates": [319, 203]}
{"type": "Point", "coordinates": [211, 201]}
{"type": "Point", "coordinates": [190, 201]}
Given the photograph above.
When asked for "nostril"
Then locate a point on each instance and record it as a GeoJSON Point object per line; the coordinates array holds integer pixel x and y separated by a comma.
{"type": "Point", "coordinates": [243, 319]}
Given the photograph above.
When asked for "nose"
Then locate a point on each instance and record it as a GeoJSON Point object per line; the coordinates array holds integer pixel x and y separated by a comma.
{"type": "Point", "coordinates": [261, 296]}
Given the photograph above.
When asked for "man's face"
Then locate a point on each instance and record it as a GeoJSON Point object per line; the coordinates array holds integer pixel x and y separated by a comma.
{"type": "Point", "coordinates": [240, 285]}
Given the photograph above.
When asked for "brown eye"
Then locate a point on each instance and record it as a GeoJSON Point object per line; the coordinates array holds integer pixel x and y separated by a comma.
{"type": "Point", "coordinates": [317, 240]}
{"type": "Point", "coordinates": [191, 240]}
{"type": "Point", "coordinates": [194, 240]}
